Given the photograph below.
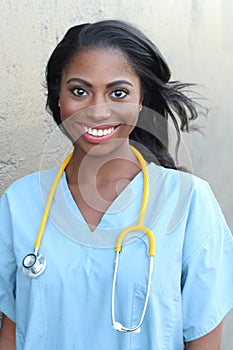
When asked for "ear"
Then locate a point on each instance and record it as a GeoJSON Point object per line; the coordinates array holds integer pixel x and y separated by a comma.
{"type": "Point", "coordinates": [141, 102]}
{"type": "Point", "coordinates": [141, 99]}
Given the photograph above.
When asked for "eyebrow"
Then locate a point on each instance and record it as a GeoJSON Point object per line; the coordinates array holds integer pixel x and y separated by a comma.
{"type": "Point", "coordinates": [86, 83]}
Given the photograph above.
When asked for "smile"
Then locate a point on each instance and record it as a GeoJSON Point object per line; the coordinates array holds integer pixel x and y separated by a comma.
{"type": "Point", "coordinates": [98, 132]}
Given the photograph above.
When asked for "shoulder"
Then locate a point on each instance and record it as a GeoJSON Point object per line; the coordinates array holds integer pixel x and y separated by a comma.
{"type": "Point", "coordinates": [22, 204]}
{"type": "Point", "coordinates": [30, 183]}
{"type": "Point", "coordinates": [191, 202]}
{"type": "Point", "coordinates": [175, 176]}
{"type": "Point", "coordinates": [181, 185]}
{"type": "Point", "coordinates": [27, 193]}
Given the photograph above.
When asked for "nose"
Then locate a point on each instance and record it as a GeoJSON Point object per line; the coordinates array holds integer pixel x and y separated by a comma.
{"type": "Point", "coordinates": [99, 111]}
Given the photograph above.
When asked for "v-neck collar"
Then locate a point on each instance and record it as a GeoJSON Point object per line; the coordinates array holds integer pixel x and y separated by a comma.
{"type": "Point", "coordinates": [114, 215]}
{"type": "Point", "coordinates": [67, 219]}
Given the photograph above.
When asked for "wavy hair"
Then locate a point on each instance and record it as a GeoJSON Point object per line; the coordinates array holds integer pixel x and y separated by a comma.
{"type": "Point", "coordinates": [165, 98]}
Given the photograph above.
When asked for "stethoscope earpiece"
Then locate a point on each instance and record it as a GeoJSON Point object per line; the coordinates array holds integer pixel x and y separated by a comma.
{"type": "Point", "coordinates": [33, 265]}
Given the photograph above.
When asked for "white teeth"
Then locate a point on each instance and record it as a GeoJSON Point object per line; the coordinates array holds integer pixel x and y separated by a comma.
{"type": "Point", "coordinates": [98, 132]}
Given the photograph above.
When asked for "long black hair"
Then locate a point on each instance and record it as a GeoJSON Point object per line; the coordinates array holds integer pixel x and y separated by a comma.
{"type": "Point", "coordinates": [162, 97]}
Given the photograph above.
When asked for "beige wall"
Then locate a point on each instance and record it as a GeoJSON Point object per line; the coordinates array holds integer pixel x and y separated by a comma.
{"type": "Point", "coordinates": [195, 36]}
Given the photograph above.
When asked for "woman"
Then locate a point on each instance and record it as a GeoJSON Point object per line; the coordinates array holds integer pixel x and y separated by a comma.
{"type": "Point", "coordinates": [108, 84]}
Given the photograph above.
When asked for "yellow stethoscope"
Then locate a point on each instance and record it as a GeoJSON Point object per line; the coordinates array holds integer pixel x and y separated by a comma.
{"type": "Point", "coordinates": [34, 264]}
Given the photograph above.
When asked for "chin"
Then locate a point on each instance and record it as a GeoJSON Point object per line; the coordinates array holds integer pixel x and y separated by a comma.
{"type": "Point", "coordinates": [105, 149]}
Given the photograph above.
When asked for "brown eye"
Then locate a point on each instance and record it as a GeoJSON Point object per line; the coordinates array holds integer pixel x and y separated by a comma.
{"type": "Point", "coordinates": [78, 91]}
{"type": "Point", "coordinates": [119, 93]}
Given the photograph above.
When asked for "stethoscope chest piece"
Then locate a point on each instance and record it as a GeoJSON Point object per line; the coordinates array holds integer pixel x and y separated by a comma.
{"type": "Point", "coordinates": [33, 265]}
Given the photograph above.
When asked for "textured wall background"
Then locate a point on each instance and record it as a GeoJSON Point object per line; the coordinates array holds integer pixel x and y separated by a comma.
{"type": "Point", "coordinates": [195, 37]}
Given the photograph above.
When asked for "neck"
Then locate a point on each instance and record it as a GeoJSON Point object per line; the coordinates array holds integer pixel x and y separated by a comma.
{"type": "Point", "coordinates": [89, 168]}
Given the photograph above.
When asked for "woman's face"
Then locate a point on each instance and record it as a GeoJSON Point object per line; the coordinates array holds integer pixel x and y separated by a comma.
{"type": "Point", "coordinates": [99, 99]}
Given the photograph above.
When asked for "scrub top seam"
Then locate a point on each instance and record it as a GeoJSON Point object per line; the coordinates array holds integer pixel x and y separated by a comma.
{"type": "Point", "coordinates": [218, 222]}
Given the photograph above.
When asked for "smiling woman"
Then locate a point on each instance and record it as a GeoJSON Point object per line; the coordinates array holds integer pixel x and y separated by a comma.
{"type": "Point", "coordinates": [169, 284]}
{"type": "Point", "coordinates": [99, 82]}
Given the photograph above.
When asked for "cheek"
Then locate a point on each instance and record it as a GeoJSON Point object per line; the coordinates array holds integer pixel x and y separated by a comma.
{"type": "Point", "coordinates": [68, 105]}
{"type": "Point", "coordinates": [129, 114]}
{"type": "Point", "coordinates": [69, 117]}
{"type": "Point", "coordinates": [71, 127]}
{"type": "Point", "coordinates": [68, 109]}
{"type": "Point", "coordinates": [126, 131]}
{"type": "Point", "coordinates": [129, 121]}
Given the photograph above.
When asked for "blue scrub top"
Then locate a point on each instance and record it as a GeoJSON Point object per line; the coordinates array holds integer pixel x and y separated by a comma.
{"type": "Point", "coordinates": [69, 305]}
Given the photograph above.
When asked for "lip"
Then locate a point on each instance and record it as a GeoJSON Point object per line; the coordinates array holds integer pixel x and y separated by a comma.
{"type": "Point", "coordinates": [99, 126]}
{"type": "Point", "coordinates": [98, 139]}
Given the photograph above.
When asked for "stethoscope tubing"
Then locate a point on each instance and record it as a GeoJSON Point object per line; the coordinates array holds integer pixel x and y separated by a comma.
{"type": "Point", "coordinates": [34, 264]}
{"type": "Point", "coordinates": [117, 325]}
{"type": "Point", "coordinates": [49, 203]}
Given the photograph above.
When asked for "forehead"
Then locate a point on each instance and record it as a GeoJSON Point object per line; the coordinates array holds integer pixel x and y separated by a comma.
{"type": "Point", "coordinates": [102, 63]}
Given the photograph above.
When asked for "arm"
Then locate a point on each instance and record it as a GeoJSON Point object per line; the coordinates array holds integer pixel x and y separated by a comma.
{"type": "Point", "coordinates": [7, 334]}
{"type": "Point", "coordinates": [210, 341]}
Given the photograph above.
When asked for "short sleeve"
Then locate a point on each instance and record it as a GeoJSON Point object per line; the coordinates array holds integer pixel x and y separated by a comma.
{"type": "Point", "coordinates": [7, 262]}
{"type": "Point", "coordinates": [207, 281]}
